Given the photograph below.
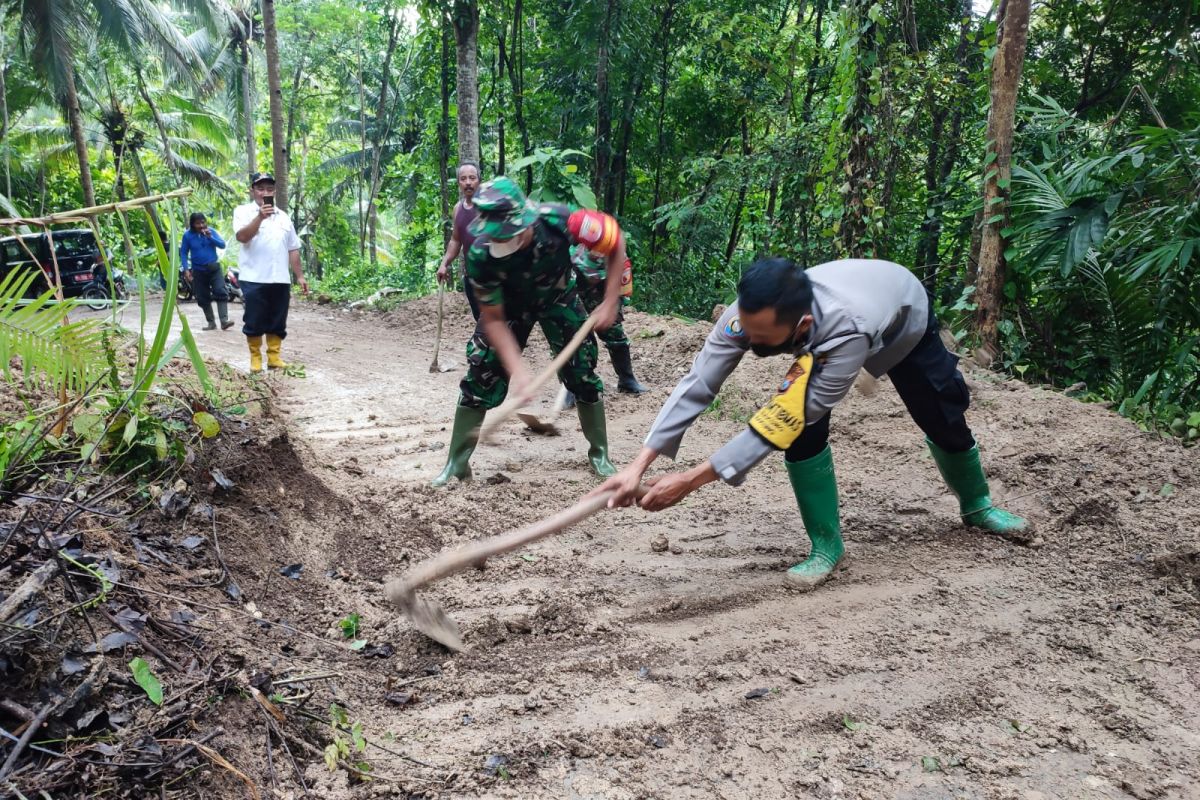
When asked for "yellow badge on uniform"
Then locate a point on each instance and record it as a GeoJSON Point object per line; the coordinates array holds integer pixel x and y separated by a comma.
{"type": "Point", "coordinates": [781, 421]}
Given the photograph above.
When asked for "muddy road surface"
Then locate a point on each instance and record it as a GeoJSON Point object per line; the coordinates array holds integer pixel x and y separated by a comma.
{"type": "Point", "coordinates": [942, 663]}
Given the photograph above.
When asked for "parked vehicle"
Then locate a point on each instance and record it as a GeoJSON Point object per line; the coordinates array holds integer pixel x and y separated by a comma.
{"type": "Point", "coordinates": [76, 251]}
{"type": "Point", "coordinates": [98, 294]}
{"type": "Point", "coordinates": [187, 293]}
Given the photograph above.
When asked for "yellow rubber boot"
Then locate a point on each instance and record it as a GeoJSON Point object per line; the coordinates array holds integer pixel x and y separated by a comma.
{"type": "Point", "coordinates": [255, 343]}
{"type": "Point", "coordinates": [273, 359]}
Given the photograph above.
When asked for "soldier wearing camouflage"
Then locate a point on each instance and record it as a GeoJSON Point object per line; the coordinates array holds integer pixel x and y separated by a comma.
{"type": "Point", "coordinates": [521, 263]}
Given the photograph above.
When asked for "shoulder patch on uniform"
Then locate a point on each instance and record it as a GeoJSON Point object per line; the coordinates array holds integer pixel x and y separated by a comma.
{"type": "Point", "coordinates": [781, 421]}
{"type": "Point", "coordinates": [734, 328]}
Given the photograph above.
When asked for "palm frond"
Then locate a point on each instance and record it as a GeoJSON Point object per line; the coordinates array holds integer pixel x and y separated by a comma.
{"type": "Point", "coordinates": [51, 353]}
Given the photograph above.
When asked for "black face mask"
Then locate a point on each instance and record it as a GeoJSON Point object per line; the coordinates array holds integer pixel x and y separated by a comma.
{"type": "Point", "coordinates": [765, 350]}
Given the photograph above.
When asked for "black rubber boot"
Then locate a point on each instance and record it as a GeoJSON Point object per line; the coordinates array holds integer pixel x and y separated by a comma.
{"type": "Point", "coordinates": [623, 365]}
{"type": "Point", "coordinates": [223, 313]}
{"type": "Point", "coordinates": [208, 315]}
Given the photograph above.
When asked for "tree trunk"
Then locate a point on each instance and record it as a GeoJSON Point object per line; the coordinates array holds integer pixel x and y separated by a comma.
{"type": "Point", "coordinates": [786, 112]}
{"type": "Point", "coordinates": [279, 155]}
{"type": "Point", "coordinates": [380, 133]}
{"type": "Point", "coordinates": [624, 139]}
{"type": "Point", "coordinates": [444, 131]}
{"type": "Point", "coordinates": [859, 178]}
{"type": "Point", "coordinates": [158, 123]}
{"type": "Point", "coordinates": [603, 147]}
{"type": "Point", "coordinates": [1006, 76]}
{"type": "Point", "coordinates": [294, 99]}
{"type": "Point", "coordinates": [139, 171]}
{"type": "Point", "coordinates": [664, 75]}
{"type": "Point", "coordinates": [735, 231]}
{"type": "Point", "coordinates": [945, 148]}
{"type": "Point", "coordinates": [75, 120]}
{"type": "Point", "coordinates": [516, 77]}
{"type": "Point", "coordinates": [4, 117]}
{"type": "Point", "coordinates": [248, 106]}
{"type": "Point", "coordinates": [361, 212]}
{"type": "Point", "coordinates": [466, 33]}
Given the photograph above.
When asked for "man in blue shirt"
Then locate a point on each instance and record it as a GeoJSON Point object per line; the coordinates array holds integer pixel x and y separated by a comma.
{"type": "Point", "coordinates": [205, 274]}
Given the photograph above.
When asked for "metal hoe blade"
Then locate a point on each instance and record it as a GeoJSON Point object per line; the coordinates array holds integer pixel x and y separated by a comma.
{"type": "Point", "coordinates": [426, 616]}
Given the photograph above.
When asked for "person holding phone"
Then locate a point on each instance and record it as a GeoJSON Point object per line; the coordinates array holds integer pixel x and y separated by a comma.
{"type": "Point", "coordinates": [270, 248]}
{"type": "Point", "coordinates": [200, 245]}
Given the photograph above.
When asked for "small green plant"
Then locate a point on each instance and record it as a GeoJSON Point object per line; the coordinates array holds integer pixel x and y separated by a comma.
{"type": "Point", "coordinates": [348, 741]}
{"type": "Point", "coordinates": [349, 625]}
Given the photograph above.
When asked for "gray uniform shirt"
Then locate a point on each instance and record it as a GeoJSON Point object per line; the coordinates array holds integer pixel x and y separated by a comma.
{"type": "Point", "coordinates": [866, 314]}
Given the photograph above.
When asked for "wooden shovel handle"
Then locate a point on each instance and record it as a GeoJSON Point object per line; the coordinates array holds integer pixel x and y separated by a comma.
{"type": "Point", "coordinates": [498, 417]}
{"type": "Point", "coordinates": [445, 564]}
{"type": "Point", "coordinates": [437, 346]}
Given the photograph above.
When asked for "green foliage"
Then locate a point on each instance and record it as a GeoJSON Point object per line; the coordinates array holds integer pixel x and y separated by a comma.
{"type": "Point", "coordinates": [347, 742]}
{"type": "Point", "coordinates": [349, 625]}
{"type": "Point", "coordinates": [1105, 264]}
{"type": "Point", "coordinates": [53, 352]}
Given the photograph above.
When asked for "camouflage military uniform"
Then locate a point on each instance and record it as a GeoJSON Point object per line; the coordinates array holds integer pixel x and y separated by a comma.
{"type": "Point", "coordinates": [591, 272]}
{"type": "Point", "coordinates": [536, 285]}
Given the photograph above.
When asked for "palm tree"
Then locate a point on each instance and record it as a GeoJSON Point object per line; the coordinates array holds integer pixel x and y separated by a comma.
{"type": "Point", "coordinates": [51, 31]}
{"type": "Point", "coordinates": [229, 54]}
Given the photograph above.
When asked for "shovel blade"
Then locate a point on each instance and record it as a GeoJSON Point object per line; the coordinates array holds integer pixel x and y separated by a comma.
{"type": "Point", "coordinates": [535, 424]}
{"type": "Point", "coordinates": [426, 616]}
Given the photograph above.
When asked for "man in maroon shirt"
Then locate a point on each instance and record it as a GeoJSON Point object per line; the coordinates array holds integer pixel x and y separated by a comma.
{"type": "Point", "coordinates": [461, 239]}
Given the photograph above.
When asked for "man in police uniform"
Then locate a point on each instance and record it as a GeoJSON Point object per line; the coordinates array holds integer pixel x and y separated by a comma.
{"type": "Point", "coordinates": [520, 271]}
{"type": "Point", "coordinates": [831, 321]}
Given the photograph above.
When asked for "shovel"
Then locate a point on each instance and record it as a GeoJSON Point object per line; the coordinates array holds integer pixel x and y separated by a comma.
{"type": "Point", "coordinates": [545, 426]}
{"type": "Point", "coordinates": [509, 407]}
{"type": "Point", "coordinates": [430, 618]}
{"type": "Point", "coordinates": [437, 346]}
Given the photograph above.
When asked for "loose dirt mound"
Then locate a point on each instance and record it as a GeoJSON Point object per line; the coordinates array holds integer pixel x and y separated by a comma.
{"type": "Point", "coordinates": [941, 663]}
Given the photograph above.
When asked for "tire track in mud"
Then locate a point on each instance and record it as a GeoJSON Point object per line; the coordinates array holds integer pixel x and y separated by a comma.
{"type": "Point", "coordinates": [599, 668]}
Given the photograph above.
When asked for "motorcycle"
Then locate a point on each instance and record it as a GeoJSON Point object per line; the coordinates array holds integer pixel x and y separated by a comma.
{"type": "Point", "coordinates": [232, 288]}
{"type": "Point", "coordinates": [98, 294]}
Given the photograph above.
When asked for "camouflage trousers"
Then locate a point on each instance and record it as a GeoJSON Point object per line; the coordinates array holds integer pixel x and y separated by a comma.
{"type": "Point", "coordinates": [486, 382]}
{"type": "Point", "coordinates": [592, 295]}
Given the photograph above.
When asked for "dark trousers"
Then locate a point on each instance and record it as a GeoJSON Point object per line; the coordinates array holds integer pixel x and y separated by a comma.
{"type": "Point", "coordinates": [266, 308]}
{"type": "Point", "coordinates": [208, 283]}
{"type": "Point", "coordinates": [471, 301]}
{"type": "Point", "coordinates": [933, 391]}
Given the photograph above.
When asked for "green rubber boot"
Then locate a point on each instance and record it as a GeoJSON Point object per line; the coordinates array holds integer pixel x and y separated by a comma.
{"type": "Point", "coordinates": [591, 419]}
{"type": "Point", "coordinates": [462, 444]}
{"type": "Point", "coordinates": [815, 487]}
{"type": "Point", "coordinates": [964, 475]}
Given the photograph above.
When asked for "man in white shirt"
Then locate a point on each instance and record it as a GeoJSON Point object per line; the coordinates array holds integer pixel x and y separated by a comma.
{"type": "Point", "coordinates": [270, 247]}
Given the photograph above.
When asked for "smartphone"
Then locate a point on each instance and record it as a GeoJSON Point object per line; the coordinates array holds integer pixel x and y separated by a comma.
{"type": "Point", "coordinates": [269, 200]}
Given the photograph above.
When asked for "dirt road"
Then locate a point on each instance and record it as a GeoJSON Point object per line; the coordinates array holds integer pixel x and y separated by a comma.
{"type": "Point", "coordinates": [942, 664]}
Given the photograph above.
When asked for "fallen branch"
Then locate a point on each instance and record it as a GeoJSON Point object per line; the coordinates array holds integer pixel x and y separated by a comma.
{"type": "Point", "coordinates": [32, 585]}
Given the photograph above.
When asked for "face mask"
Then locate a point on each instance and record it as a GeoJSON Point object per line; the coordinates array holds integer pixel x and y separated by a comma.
{"type": "Point", "coordinates": [765, 350]}
{"type": "Point", "coordinates": [788, 345]}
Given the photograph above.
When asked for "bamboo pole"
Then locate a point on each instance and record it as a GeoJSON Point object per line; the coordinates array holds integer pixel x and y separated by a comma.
{"type": "Point", "coordinates": [81, 214]}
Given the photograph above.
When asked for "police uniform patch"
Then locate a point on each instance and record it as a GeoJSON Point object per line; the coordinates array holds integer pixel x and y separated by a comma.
{"type": "Point", "coordinates": [734, 328]}
{"type": "Point", "coordinates": [781, 421]}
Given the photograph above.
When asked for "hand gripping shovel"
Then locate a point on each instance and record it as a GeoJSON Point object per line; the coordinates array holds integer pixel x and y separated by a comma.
{"type": "Point", "coordinates": [509, 407]}
{"type": "Point", "coordinates": [430, 618]}
{"type": "Point", "coordinates": [436, 366]}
